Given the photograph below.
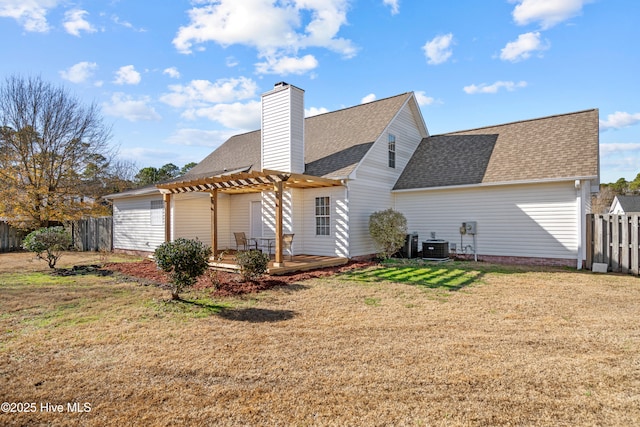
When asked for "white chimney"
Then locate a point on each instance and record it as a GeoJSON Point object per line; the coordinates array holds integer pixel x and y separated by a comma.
{"type": "Point", "coordinates": [283, 129]}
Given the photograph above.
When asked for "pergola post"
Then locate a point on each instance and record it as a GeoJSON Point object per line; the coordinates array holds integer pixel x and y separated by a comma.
{"type": "Point", "coordinates": [166, 198]}
{"type": "Point", "coordinates": [214, 222]}
{"type": "Point", "coordinates": [278, 261]}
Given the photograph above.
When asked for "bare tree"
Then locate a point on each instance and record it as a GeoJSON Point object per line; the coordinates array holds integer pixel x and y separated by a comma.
{"type": "Point", "coordinates": [48, 139]}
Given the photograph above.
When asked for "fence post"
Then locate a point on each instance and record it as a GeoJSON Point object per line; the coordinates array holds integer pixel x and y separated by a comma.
{"type": "Point", "coordinates": [589, 240]}
{"type": "Point", "coordinates": [635, 245]}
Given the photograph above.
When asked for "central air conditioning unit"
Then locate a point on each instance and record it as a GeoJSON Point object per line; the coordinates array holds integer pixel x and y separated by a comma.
{"type": "Point", "coordinates": [435, 249]}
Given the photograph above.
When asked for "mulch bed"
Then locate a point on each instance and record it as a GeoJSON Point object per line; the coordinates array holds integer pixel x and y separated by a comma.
{"type": "Point", "coordinates": [225, 283]}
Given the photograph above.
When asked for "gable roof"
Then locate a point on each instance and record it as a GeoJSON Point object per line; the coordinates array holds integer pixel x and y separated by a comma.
{"type": "Point", "coordinates": [335, 142]}
{"type": "Point", "coordinates": [550, 148]}
{"type": "Point", "coordinates": [628, 203]}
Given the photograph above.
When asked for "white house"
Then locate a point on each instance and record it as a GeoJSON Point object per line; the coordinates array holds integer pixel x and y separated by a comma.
{"type": "Point", "coordinates": [527, 185]}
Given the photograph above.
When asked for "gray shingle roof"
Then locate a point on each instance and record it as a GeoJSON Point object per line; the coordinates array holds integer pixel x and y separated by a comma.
{"type": "Point", "coordinates": [629, 203]}
{"type": "Point", "coordinates": [555, 147]}
{"type": "Point", "coordinates": [335, 142]}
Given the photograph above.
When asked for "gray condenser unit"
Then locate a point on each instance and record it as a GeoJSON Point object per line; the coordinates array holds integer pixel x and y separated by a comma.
{"type": "Point", "coordinates": [435, 249]}
{"type": "Point", "coordinates": [410, 248]}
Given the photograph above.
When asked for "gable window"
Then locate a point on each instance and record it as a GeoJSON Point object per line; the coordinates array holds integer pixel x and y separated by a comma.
{"type": "Point", "coordinates": [157, 212]}
{"type": "Point", "coordinates": [323, 219]}
{"type": "Point", "coordinates": [392, 151]}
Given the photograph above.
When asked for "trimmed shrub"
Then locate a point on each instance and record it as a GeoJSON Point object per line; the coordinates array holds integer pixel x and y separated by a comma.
{"type": "Point", "coordinates": [388, 230]}
{"type": "Point", "coordinates": [253, 264]}
{"type": "Point", "coordinates": [185, 260]}
{"type": "Point", "coordinates": [48, 243]}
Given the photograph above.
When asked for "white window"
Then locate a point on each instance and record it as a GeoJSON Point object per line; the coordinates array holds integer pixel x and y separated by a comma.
{"type": "Point", "coordinates": [323, 218]}
{"type": "Point", "coordinates": [157, 212]}
{"type": "Point", "coordinates": [392, 151]}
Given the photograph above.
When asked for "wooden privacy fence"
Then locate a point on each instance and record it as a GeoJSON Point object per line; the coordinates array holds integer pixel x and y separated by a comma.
{"type": "Point", "coordinates": [614, 240]}
{"type": "Point", "coordinates": [10, 237]}
{"type": "Point", "coordinates": [92, 234]}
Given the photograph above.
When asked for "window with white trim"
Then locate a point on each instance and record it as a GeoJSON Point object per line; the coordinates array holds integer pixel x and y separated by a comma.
{"type": "Point", "coordinates": [157, 212]}
{"type": "Point", "coordinates": [323, 217]}
{"type": "Point", "coordinates": [392, 151]}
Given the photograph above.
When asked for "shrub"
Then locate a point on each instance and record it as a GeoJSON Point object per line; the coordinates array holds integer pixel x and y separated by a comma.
{"type": "Point", "coordinates": [51, 242]}
{"type": "Point", "coordinates": [185, 260]}
{"type": "Point", "coordinates": [388, 229]}
{"type": "Point", "coordinates": [253, 264]}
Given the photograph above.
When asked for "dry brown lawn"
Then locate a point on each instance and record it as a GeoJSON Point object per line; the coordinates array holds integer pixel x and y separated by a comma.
{"type": "Point", "coordinates": [516, 347]}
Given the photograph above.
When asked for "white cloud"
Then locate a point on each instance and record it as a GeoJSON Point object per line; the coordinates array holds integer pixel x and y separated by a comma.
{"type": "Point", "coordinates": [548, 12]}
{"type": "Point", "coordinates": [618, 120]}
{"type": "Point", "coordinates": [172, 72]}
{"type": "Point", "coordinates": [438, 50]}
{"type": "Point", "coordinates": [80, 72]}
{"type": "Point", "coordinates": [200, 137]}
{"type": "Point", "coordinates": [493, 88]}
{"type": "Point", "coordinates": [522, 47]}
{"type": "Point", "coordinates": [423, 99]}
{"type": "Point", "coordinates": [608, 148]}
{"type": "Point", "coordinates": [236, 115]}
{"type": "Point", "coordinates": [287, 65]}
{"type": "Point", "coordinates": [127, 75]}
{"type": "Point", "coordinates": [31, 14]}
{"type": "Point", "coordinates": [203, 92]}
{"type": "Point", "coordinates": [231, 61]}
{"type": "Point", "coordinates": [75, 22]}
{"type": "Point", "coordinates": [126, 107]}
{"type": "Point", "coordinates": [394, 4]}
{"type": "Point", "coordinates": [369, 98]}
{"type": "Point", "coordinates": [116, 19]}
{"type": "Point", "coordinates": [314, 111]}
{"type": "Point", "coordinates": [271, 27]}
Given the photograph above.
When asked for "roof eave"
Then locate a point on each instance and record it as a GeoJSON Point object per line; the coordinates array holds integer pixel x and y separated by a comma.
{"type": "Point", "coordinates": [496, 184]}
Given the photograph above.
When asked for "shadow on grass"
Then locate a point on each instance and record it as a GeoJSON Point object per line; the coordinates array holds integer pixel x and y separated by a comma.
{"type": "Point", "coordinates": [437, 276]}
{"type": "Point", "coordinates": [257, 315]}
{"type": "Point", "coordinates": [82, 270]}
{"type": "Point", "coordinates": [196, 308]}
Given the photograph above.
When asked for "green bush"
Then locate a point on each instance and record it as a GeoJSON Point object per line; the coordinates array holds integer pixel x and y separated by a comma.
{"type": "Point", "coordinates": [388, 230]}
{"type": "Point", "coordinates": [185, 260]}
{"type": "Point", "coordinates": [48, 243]}
{"type": "Point", "coordinates": [253, 264]}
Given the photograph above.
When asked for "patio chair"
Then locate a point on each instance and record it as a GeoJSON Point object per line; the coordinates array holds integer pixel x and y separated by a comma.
{"type": "Point", "coordinates": [244, 242]}
{"type": "Point", "coordinates": [287, 243]}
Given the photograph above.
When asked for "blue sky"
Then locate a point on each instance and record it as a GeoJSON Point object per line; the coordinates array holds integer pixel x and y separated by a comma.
{"type": "Point", "coordinates": [177, 78]}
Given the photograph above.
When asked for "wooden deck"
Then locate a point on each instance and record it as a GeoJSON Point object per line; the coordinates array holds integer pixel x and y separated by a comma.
{"type": "Point", "coordinates": [297, 263]}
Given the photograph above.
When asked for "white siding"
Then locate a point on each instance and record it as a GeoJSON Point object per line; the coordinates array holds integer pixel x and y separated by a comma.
{"type": "Point", "coordinates": [283, 130]}
{"type": "Point", "coordinates": [534, 220]}
{"type": "Point", "coordinates": [132, 229]}
{"type": "Point", "coordinates": [191, 217]}
{"type": "Point", "coordinates": [371, 190]}
{"type": "Point", "coordinates": [305, 240]}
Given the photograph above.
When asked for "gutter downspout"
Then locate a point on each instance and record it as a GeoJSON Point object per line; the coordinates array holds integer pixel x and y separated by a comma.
{"type": "Point", "coordinates": [580, 221]}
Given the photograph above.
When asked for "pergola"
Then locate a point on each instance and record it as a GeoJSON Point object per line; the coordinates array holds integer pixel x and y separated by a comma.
{"type": "Point", "coordinates": [239, 182]}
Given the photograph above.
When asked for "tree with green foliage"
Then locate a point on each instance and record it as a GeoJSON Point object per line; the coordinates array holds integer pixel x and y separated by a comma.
{"type": "Point", "coordinates": [186, 168]}
{"type": "Point", "coordinates": [48, 140]}
{"type": "Point", "coordinates": [634, 186]}
{"type": "Point", "coordinates": [185, 260]}
{"type": "Point", "coordinates": [388, 229]}
{"type": "Point", "coordinates": [48, 243]}
{"type": "Point", "coordinates": [152, 175]}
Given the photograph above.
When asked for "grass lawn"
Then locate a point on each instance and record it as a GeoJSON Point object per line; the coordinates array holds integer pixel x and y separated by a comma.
{"type": "Point", "coordinates": [441, 344]}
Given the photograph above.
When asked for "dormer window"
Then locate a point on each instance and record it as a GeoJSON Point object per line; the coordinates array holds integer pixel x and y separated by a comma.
{"type": "Point", "coordinates": [392, 151]}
